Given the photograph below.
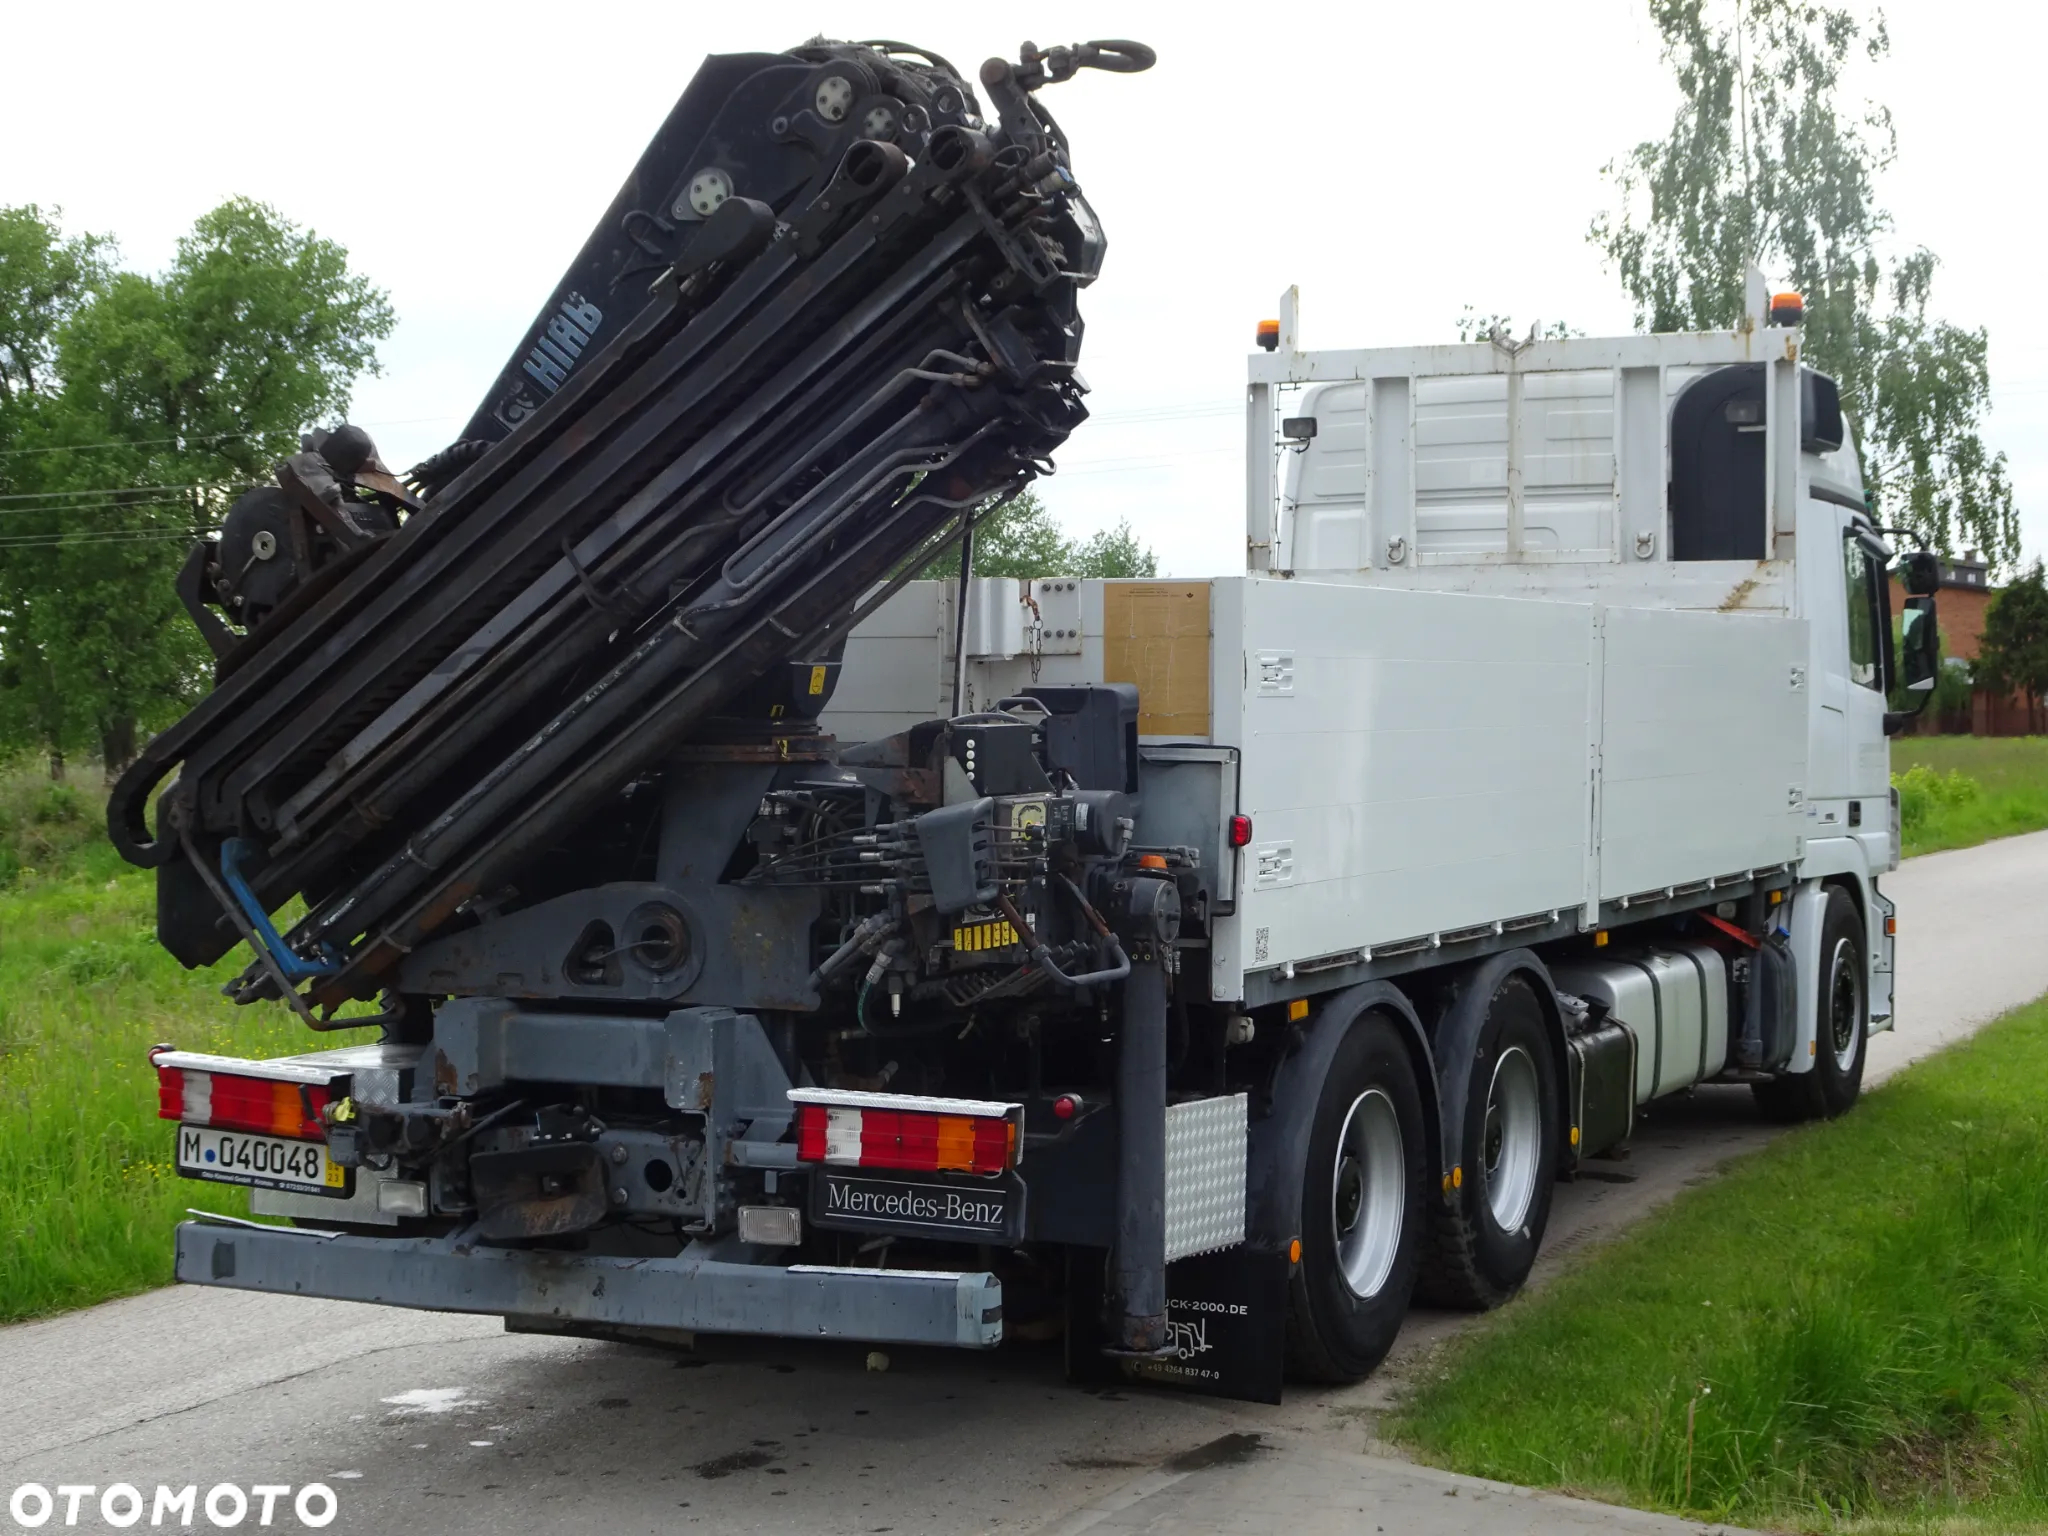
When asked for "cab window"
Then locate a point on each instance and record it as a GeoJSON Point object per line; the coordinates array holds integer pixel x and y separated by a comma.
{"type": "Point", "coordinates": [1863, 588]}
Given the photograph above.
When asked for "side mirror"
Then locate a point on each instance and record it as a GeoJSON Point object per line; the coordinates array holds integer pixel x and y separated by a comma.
{"type": "Point", "coordinates": [1919, 645]}
{"type": "Point", "coordinates": [1921, 575]}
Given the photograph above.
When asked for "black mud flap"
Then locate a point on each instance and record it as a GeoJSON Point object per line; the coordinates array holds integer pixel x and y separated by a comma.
{"type": "Point", "coordinates": [1227, 1313]}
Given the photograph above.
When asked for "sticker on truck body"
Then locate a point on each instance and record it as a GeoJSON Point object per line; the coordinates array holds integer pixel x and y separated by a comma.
{"type": "Point", "coordinates": [966, 1210]}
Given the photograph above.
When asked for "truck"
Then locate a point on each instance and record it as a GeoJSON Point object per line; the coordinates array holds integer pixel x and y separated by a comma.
{"type": "Point", "coordinates": [748, 937]}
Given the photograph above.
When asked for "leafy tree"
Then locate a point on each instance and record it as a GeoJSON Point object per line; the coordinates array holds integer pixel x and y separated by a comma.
{"type": "Point", "coordinates": [1473, 326]}
{"type": "Point", "coordinates": [2012, 656]}
{"type": "Point", "coordinates": [157, 400]}
{"type": "Point", "coordinates": [1023, 539]}
{"type": "Point", "coordinates": [1114, 552]}
{"type": "Point", "coordinates": [44, 278]}
{"type": "Point", "coordinates": [1765, 165]}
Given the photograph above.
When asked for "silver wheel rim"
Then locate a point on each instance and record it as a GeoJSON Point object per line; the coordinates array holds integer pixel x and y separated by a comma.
{"type": "Point", "coordinates": [1366, 1193]}
{"type": "Point", "coordinates": [1512, 1141]}
{"type": "Point", "coordinates": [1845, 1004]}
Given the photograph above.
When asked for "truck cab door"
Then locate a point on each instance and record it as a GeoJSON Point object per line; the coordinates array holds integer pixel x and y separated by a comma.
{"type": "Point", "coordinates": [1866, 629]}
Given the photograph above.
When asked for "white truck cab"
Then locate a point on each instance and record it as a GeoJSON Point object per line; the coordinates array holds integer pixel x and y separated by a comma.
{"type": "Point", "coordinates": [1713, 472]}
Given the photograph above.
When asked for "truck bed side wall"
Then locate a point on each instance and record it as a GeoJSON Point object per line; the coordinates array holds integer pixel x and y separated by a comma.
{"type": "Point", "coordinates": [1415, 763]}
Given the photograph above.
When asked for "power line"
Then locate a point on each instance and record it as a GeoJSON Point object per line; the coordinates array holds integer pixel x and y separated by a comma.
{"type": "Point", "coordinates": [1166, 413]}
{"type": "Point", "coordinates": [140, 442]}
{"type": "Point", "coordinates": [52, 540]}
{"type": "Point", "coordinates": [206, 437]}
{"type": "Point", "coordinates": [144, 504]}
{"type": "Point", "coordinates": [1147, 461]}
{"type": "Point", "coordinates": [101, 490]}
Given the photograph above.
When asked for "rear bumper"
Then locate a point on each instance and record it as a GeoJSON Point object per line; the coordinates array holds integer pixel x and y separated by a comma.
{"type": "Point", "coordinates": [700, 1295]}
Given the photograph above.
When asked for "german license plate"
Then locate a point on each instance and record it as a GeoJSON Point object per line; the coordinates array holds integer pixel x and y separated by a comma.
{"type": "Point", "coordinates": [977, 1210]}
{"type": "Point", "coordinates": [262, 1162]}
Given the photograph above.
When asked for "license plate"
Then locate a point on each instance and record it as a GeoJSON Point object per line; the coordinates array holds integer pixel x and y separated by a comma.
{"type": "Point", "coordinates": [262, 1162]}
{"type": "Point", "coordinates": [970, 1210]}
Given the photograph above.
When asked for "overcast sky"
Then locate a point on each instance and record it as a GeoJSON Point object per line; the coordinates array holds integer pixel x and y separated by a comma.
{"type": "Point", "coordinates": [1398, 163]}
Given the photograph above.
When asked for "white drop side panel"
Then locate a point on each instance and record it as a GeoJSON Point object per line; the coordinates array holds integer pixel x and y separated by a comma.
{"type": "Point", "coordinates": [1413, 763]}
{"type": "Point", "coordinates": [898, 667]}
{"type": "Point", "coordinates": [1703, 747]}
{"type": "Point", "coordinates": [895, 671]}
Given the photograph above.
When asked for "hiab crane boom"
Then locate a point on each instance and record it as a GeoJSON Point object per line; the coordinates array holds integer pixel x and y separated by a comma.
{"type": "Point", "coordinates": [862, 326]}
{"type": "Point", "coordinates": [772, 943]}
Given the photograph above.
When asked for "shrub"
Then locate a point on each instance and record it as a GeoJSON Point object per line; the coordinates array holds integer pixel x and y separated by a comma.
{"type": "Point", "coordinates": [1923, 792]}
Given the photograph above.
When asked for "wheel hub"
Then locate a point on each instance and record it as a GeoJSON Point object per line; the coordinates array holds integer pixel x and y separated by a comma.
{"type": "Point", "coordinates": [1368, 1194]}
{"type": "Point", "coordinates": [1845, 1004]}
{"type": "Point", "coordinates": [1512, 1143]}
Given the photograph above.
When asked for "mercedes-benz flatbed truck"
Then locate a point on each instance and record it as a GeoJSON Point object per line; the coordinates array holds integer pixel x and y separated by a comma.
{"type": "Point", "coordinates": [765, 941]}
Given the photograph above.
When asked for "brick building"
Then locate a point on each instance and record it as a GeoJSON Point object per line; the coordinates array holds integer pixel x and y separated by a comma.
{"type": "Point", "coordinates": [1960, 604]}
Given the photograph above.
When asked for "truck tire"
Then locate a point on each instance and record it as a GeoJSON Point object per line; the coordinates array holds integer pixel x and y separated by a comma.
{"type": "Point", "coordinates": [1842, 1024]}
{"type": "Point", "coordinates": [1483, 1242]}
{"type": "Point", "coordinates": [1362, 1208]}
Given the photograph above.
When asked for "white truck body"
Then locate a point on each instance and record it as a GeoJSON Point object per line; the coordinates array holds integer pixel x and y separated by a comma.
{"type": "Point", "coordinates": [1464, 690]}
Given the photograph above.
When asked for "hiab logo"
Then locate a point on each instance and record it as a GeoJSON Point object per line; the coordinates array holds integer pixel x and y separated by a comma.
{"type": "Point", "coordinates": [556, 347]}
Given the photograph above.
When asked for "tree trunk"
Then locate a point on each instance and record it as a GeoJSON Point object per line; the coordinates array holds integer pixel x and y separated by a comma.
{"type": "Point", "coordinates": [117, 745]}
{"type": "Point", "coordinates": [56, 766]}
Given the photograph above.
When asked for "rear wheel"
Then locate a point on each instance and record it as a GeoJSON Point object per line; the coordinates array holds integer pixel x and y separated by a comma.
{"type": "Point", "coordinates": [1482, 1247]}
{"type": "Point", "coordinates": [1362, 1209]}
{"type": "Point", "coordinates": [1842, 1026]}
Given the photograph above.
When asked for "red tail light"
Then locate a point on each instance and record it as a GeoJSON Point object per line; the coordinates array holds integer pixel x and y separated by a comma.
{"type": "Point", "coordinates": [231, 1101]}
{"type": "Point", "coordinates": [1240, 831]}
{"type": "Point", "coordinates": [878, 1130]}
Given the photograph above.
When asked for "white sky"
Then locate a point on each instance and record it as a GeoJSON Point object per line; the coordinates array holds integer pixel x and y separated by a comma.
{"type": "Point", "coordinates": [1396, 162]}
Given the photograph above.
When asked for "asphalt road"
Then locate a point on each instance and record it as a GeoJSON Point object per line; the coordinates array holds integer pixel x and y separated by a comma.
{"type": "Point", "coordinates": [446, 1424]}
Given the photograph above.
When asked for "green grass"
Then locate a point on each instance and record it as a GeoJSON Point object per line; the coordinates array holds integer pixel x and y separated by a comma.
{"type": "Point", "coordinates": [87, 1196]}
{"type": "Point", "coordinates": [2011, 776]}
{"type": "Point", "coordinates": [1849, 1328]}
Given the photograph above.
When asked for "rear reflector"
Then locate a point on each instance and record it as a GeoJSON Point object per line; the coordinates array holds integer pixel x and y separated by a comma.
{"type": "Point", "coordinates": [235, 1101]}
{"type": "Point", "coordinates": [893, 1130]}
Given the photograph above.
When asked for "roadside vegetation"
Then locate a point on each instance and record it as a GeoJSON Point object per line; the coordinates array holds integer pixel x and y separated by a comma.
{"type": "Point", "coordinates": [1958, 791]}
{"type": "Point", "coordinates": [1850, 1327]}
{"type": "Point", "coordinates": [87, 1194]}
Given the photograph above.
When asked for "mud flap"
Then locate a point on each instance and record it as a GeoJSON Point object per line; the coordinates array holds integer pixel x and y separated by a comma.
{"type": "Point", "coordinates": [1226, 1316]}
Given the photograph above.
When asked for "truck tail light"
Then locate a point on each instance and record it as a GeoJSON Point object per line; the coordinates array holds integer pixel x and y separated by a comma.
{"type": "Point", "coordinates": [1240, 831]}
{"type": "Point", "coordinates": [233, 1101]}
{"type": "Point", "coordinates": [883, 1130]}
